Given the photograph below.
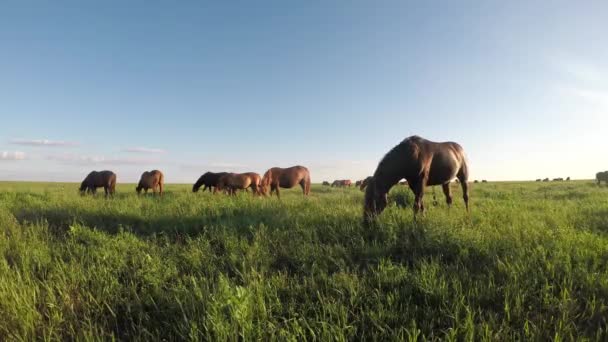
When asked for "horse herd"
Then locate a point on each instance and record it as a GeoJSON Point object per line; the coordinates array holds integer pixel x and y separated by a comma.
{"type": "Point", "coordinates": [417, 161]}
{"type": "Point", "coordinates": [228, 182]}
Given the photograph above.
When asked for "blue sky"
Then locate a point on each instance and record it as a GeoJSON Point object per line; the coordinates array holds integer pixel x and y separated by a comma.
{"type": "Point", "coordinates": [194, 86]}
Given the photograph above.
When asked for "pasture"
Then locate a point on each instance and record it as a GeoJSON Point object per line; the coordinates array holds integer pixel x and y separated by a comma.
{"type": "Point", "coordinates": [530, 262]}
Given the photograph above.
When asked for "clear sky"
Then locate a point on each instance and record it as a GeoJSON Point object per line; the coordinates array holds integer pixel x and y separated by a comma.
{"type": "Point", "coordinates": [187, 87]}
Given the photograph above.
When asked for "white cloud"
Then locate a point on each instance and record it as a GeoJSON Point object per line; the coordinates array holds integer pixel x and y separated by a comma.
{"type": "Point", "coordinates": [143, 150]}
{"type": "Point", "coordinates": [583, 72]}
{"type": "Point", "coordinates": [42, 142]}
{"type": "Point", "coordinates": [5, 155]}
{"type": "Point", "coordinates": [87, 160]}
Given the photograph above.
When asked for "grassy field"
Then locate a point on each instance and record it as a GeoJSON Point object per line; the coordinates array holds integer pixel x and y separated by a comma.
{"type": "Point", "coordinates": [530, 262]}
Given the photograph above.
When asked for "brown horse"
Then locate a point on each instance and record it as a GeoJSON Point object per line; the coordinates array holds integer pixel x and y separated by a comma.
{"type": "Point", "coordinates": [151, 180]}
{"type": "Point", "coordinates": [98, 179]}
{"type": "Point", "coordinates": [240, 181]}
{"type": "Point", "coordinates": [602, 177]}
{"type": "Point", "coordinates": [277, 177]}
{"type": "Point", "coordinates": [341, 183]}
{"type": "Point", "coordinates": [421, 162]}
{"type": "Point", "coordinates": [209, 180]}
{"type": "Point", "coordinates": [364, 183]}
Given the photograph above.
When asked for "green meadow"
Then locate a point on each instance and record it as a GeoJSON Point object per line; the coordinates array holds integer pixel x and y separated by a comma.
{"type": "Point", "coordinates": [530, 262]}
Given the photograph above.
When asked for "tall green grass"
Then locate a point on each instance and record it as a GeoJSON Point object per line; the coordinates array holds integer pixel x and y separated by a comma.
{"type": "Point", "coordinates": [529, 263]}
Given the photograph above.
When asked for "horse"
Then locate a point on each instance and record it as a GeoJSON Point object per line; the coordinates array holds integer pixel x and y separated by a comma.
{"type": "Point", "coordinates": [151, 180]}
{"type": "Point", "coordinates": [421, 162]}
{"type": "Point", "coordinates": [341, 183]}
{"type": "Point", "coordinates": [98, 179]}
{"type": "Point", "coordinates": [209, 180]}
{"type": "Point", "coordinates": [538, 180]}
{"type": "Point", "coordinates": [239, 181]}
{"type": "Point", "coordinates": [546, 180]}
{"type": "Point", "coordinates": [358, 183]}
{"type": "Point", "coordinates": [558, 179]}
{"type": "Point", "coordinates": [364, 183]}
{"type": "Point", "coordinates": [277, 177]}
{"type": "Point", "coordinates": [602, 177]}
{"type": "Point", "coordinates": [326, 183]}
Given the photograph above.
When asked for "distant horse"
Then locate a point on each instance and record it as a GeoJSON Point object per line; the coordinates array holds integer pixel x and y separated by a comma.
{"type": "Point", "coordinates": [476, 181]}
{"type": "Point", "coordinates": [538, 180]}
{"type": "Point", "coordinates": [546, 180]}
{"type": "Point", "coordinates": [240, 181]}
{"type": "Point", "coordinates": [602, 177]}
{"type": "Point", "coordinates": [209, 180]}
{"type": "Point", "coordinates": [326, 183]}
{"type": "Point", "coordinates": [98, 179]}
{"type": "Point", "coordinates": [558, 179]}
{"type": "Point", "coordinates": [277, 177]}
{"type": "Point", "coordinates": [341, 183]}
{"type": "Point", "coordinates": [364, 183]}
{"type": "Point", "coordinates": [484, 181]}
{"type": "Point", "coordinates": [567, 179]}
{"type": "Point", "coordinates": [151, 180]}
{"type": "Point", "coordinates": [358, 183]}
{"type": "Point", "coordinates": [421, 162]}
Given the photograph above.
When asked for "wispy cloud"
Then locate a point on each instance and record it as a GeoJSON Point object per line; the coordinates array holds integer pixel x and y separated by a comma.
{"type": "Point", "coordinates": [143, 150]}
{"type": "Point", "coordinates": [582, 71]}
{"type": "Point", "coordinates": [6, 155]}
{"type": "Point", "coordinates": [586, 85]}
{"type": "Point", "coordinates": [42, 142]}
{"type": "Point", "coordinates": [91, 160]}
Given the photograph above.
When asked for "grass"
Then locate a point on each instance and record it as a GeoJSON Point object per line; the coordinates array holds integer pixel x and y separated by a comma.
{"type": "Point", "coordinates": [530, 262]}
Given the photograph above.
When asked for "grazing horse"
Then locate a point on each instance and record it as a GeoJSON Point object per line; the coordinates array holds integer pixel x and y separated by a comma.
{"type": "Point", "coordinates": [209, 180]}
{"type": "Point", "coordinates": [364, 183]}
{"type": "Point", "coordinates": [341, 183]}
{"type": "Point", "coordinates": [239, 181]}
{"type": "Point", "coordinates": [546, 180]}
{"type": "Point", "coordinates": [151, 180]}
{"type": "Point", "coordinates": [421, 162]}
{"type": "Point", "coordinates": [358, 183]}
{"type": "Point", "coordinates": [602, 177]}
{"type": "Point", "coordinates": [98, 179]}
{"type": "Point", "coordinates": [538, 180]}
{"type": "Point", "coordinates": [277, 177]}
{"type": "Point", "coordinates": [326, 183]}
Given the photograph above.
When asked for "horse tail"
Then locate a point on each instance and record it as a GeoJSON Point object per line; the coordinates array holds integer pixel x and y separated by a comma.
{"type": "Point", "coordinates": [161, 182]}
{"type": "Point", "coordinates": [307, 183]}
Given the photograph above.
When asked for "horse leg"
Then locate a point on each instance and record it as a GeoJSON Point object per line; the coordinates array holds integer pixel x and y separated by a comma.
{"type": "Point", "coordinates": [106, 190]}
{"type": "Point", "coordinates": [418, 190]}
{"type": "Point", "coordinates": [448, 195]}
{"type": "Point", "coordinates": [277, 191]}
{"type": "Point", "coordinates": [465, 193]}
{"type": "Point", "coordinates": [303, 185]}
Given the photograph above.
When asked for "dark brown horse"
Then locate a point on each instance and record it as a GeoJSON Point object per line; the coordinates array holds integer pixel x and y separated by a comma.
{"type": "Point", "coordinates": [602, 177]}
{"type": "Point", "coordinates": [232, 182]}
{"type": "Point", "coordinates": [421, 162]}
{"type": "Point", "coordinates": [99, 179]}
{"type": "Point", "coordinates": [326, 183]}
{"type": "Point", "coordinates": [364, 183]}
{"type": "Point", "coordinates": [341, 183]}
{"type": "Point", "coordinates": [209, 180]}
{"type": "Point", "coordinates": [277, 177]}
{"type": "Point", "coordinates": [151, 180]}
